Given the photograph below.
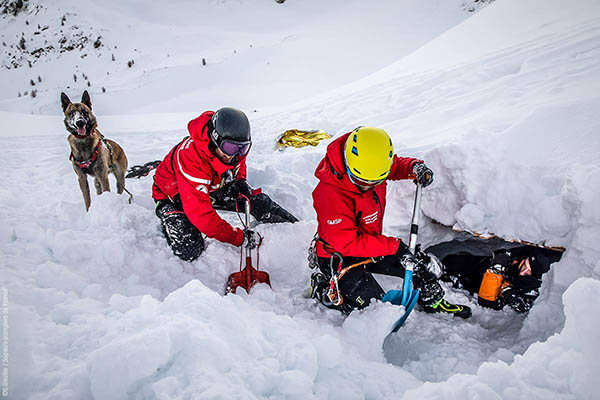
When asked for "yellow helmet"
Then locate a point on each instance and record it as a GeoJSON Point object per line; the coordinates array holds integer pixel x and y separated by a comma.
{"type": "Point", "coordinates": [369, 153]}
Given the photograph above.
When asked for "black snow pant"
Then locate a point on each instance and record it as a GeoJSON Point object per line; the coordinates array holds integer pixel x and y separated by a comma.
{"type": "Point", "coordinates": [183, 237]}
{"type": "Point", "coordinates": [262, 208]}
{"type": "Point", "coordinates": [188, 243]}
{"type": "Point", "coordinates": [358, 286]}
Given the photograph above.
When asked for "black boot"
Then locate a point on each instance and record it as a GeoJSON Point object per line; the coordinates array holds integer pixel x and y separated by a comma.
{"type": "Point", "coordinates": [443, 306]}
{"type": "Point", "coordinates": [318, 286]}
{"type": "Point", "coordinates": [265, 210]}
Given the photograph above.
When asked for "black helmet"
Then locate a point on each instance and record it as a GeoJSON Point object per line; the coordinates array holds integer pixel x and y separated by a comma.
{"type": "Point", "coordinates": [231, 131]}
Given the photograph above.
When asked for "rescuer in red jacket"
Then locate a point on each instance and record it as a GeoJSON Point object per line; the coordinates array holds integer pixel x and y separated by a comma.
{"type": "Point", "coordinates": [350, 201]}
{"type": "Point", "coordinates": [204, 172]}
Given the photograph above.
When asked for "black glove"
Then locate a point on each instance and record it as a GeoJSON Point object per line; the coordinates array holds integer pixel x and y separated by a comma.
{"type": "Point", "coordinates": [251, 239]}
{"type": "Point", "coordinates": [406, 257]}
{"type": "Point", "coordinates": [423, 173]}
{"type": "Point", "coordinates": [232, 191]}
{"type": "Point", "coordinates": [402, 249]}
{"type": "Point", "coordinates": [517, 300]}
{"type": "Point", "coordinates": [237, 188]}
{"type": "Point", "coordinates": [423, 269]}
{"type": "Point", "coordinates": [431, 263]}
{"type": "Point", "coordinates": [241, 187]}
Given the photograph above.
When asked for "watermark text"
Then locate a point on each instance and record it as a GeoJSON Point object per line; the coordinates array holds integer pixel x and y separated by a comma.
{"type": "Point", "coordinates": [4, 317]}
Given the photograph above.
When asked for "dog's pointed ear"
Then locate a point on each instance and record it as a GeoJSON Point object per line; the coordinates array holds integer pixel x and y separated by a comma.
{"type": "Point", "coordinates": [85, 99]}
{"type": "Point", "coordinates": [65, 101]}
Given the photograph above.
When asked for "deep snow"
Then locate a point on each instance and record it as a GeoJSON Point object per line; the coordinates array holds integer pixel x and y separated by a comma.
{"type": "Point", "coordinates": [504, 107]}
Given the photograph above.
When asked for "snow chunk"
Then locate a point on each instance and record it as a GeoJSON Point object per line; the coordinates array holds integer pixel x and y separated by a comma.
{"type": "Point", "coordinates": [566, 364]}
{"type": "Point", "coordinates": [225, 346]}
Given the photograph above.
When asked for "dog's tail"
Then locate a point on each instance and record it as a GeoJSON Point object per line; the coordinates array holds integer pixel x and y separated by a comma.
{"type": "Point", "coordinates": [138, 171]}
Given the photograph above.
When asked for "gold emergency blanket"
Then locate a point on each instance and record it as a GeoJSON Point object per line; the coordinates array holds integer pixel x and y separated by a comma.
{"type": "Point", "coordinates": [297, 138]}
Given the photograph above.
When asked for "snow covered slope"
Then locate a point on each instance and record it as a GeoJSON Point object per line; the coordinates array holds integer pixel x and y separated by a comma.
{"type": "Point", "coordinates": [190, 55]}
{"type": "Point", "coordinates": [503, 106]}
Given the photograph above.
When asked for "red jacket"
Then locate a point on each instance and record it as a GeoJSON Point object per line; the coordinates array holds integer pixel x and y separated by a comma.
{"type": "Point", "coordinates": [192, 171]}
{"type": "Point", "coordinates": [348, 220]}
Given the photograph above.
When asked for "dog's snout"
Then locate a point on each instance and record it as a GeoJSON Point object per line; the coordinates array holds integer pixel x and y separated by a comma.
{"type": "Point", "coordinates": [80, 123]}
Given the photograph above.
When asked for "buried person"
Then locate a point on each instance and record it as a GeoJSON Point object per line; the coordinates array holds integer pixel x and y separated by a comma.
{"type": "Point", "coordinates": [350, 201]}
{"type": "Point", "coordinates": [505, 277]}
{"type": "Point", "coordinates": [204, 172]}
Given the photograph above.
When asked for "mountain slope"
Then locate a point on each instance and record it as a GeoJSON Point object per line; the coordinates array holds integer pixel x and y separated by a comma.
{"type": "Point", "coordinates": [188, 56]}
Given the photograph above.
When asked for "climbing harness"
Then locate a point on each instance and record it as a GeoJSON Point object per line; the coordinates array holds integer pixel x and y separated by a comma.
{"type": "Point", "coordinates": [337, 272]}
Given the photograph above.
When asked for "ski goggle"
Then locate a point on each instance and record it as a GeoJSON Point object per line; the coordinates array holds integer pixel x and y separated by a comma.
{"type": "Point", "coordinates": [234, 148]}
{"type": "Point", "coordinates": [230, 147]}
{"type": "Point", "coordinates": [366, 184]}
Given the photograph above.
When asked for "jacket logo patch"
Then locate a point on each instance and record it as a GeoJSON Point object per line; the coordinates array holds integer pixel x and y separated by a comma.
{"type": "Point", "coordinates": [334, 221]}
{"type": "Point", "coordinates": [202, 189]}
{"type": "Point", "coordinates": [369, 219]}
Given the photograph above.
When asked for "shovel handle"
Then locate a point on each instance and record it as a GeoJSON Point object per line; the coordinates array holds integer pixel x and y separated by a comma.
{"type": "Point", "coordinates": [407, 290]}
{"type": "Point", "coordinates": [414, 225]}
{"type": "Point", "coordinates": [247, 214]}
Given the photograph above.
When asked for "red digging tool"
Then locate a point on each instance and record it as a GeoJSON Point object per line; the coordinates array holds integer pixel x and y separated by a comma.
{"type": "Point", "coordinates": [249, 276]}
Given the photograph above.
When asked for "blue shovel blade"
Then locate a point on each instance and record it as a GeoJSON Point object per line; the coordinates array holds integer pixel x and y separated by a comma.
{"type": "Point", "coordinates": [407, 290]}
{"type": "Point", "coordinates": [395, 297]}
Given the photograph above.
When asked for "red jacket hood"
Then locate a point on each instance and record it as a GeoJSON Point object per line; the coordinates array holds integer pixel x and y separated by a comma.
{"type": "Point", "coordinates": [198, 127]}
{"type": "Point", "coordinates": [332, 169]}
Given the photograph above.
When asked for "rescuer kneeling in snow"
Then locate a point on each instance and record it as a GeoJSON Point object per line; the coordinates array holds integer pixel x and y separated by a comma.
{"type": "Point", "coordinates": [204, 172]}
{"type": "Point", "coordinates": [350, 203]}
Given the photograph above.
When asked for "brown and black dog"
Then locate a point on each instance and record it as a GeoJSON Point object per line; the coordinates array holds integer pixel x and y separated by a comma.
{"type": "Point", "coordinates": [91, 153]}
